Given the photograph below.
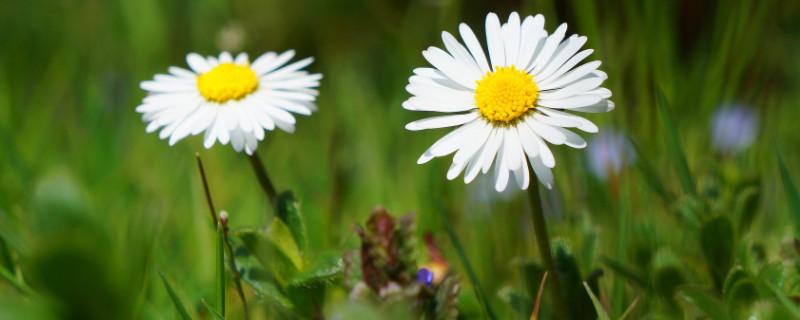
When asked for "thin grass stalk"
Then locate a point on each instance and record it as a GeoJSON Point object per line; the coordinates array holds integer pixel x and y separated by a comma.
{"type": "Point", "coordinates": [480, 292]}
{"type": "Point", "coordinates": [231, 263]}
{"type": "Point", "coordinates": [543, 241]}
{"type": "Point", "coordinates": [263, 177]}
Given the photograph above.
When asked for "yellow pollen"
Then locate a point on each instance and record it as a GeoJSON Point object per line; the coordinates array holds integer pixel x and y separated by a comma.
{"type": "Point", "coordinates": [506, 94]}
{"type": "Point", "coordinates": [227, 81]}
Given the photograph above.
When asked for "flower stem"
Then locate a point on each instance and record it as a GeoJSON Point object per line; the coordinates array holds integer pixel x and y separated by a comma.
{"type": "Point", "coordinates": [543, 241]}
{"type": "Point", "coordinates": [231, 263]}
{"type": "Point", "coordinates": [263, 178]}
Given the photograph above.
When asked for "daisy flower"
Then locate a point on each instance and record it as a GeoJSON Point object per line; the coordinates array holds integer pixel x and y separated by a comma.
{"type": "Point", "coordinates": [506, 107]}
{"type": "Point", "coordinates": [230, 99]}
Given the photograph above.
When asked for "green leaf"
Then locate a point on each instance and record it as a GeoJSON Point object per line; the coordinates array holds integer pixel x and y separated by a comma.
{"type": "Point", "coordinates": [266, 290]}
{"type": "Point", "coordinates": [717, 240]}
{"type": "Point", "coordinates": [322, 272]}
{"type": "Point", "coordinates": [282, 238]}
{"type": "Point", "coordinates": [517, 300]}
{"type": "Point", "coordinates": [674, 145]}
{"type": "Point", "coordinates": [741, 297]}
{"type": "Point", "coordinates": [625, 272]}
{"type": "Point", "coordinates": [220, 268]}
{"type": "Point", "coordinates": [666, 280]}
{"type": "Point", "coordinates": [175, 300]}
{"type": "Point", "coordinates": [792, 196]}
{"type": "Point", "coordinates": [784, 300]}
{"type": "Point", "coordinates": [289, 212]}
{"type": "Point", "coordinates": [709, 305]}
{"type": "Point", "coordinates": [571, 283]}
{"type": "Point", "coordinates": [461, 254]}
{"type": "Point", "coordinates": [598, 307]}
{"type": "Point", "coordinates": [212, 310]}
{"type": "Point", "coordinates": [748, 200]}
{"type": "Point", "coordinates": [736, 274]}
{"type": "Point", "coordinates": [270, 255]}
{"type": "Point", "coordinates": [650, 175]}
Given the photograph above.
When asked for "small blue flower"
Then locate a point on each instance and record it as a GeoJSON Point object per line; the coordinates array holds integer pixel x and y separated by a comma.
{"type": "Point", "coordinates": [733, 128]}
{"type": "Point", "coordinates": [608, 152]}
{"type": "Point", "coordinates": [425, 276]}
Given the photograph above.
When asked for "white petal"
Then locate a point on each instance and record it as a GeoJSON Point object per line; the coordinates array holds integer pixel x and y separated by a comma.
{"type": "Point", "coordinates": [455, 169]}
{"type": "Point", "coordinates": [600, 107]}
{"type": "Point", "coordinates": [566, 51]}
{"type": "Point", "coordinates": [425, 104]}
{"type": "Point", "coordinates": [197, 63]}
{"type": "Point", "coordinates": [474, 46]}
{"type": "Point", "coordinates": [511, 146]}
{"type": "Point", "coordinates": [501, 171]}
{"type": "Point", "coordinates": [532, 37]}
{"type": "Point", "coordinates": [477, 161]}
{"type": "Point", "coordinates": [241, 59]}
{"type": "Point", "coordinates": [546, 132]}
{"type": "Point", "coordinates": [527, 139]}
{"type": "Point", "coordinates": [575, 88]}
{"type": "Point", "coordinates": [250, 143]}
{"type": "Point", "coordinates": [492, 151]}
{"type": "Point", "coordinates": [512, 41]}
{"type": "Point", "coordinates": [461, 55]}
{"type": "Point", "coordinates": [543, 173]}
{"type": "Point", "coordinates": [225, 57]}
{"type": "Point", "coordinates": [573, 140]}
{"type": "Point", "coordinates": [585, 124]}
{"type": "Point", "coordinates": [167, 86]}
{"type": "Point", "coordinates": [476, 140]}
{"type": "Point", "coordinates": [288, 69]}
{"type": "Point", "coordinates": [425, 157]}
{"type": "Point", "coordinates": [573, 77]}
{"type": "Point", "coordinates": [181, 72]}
{"type": "Point", "coordinates": [545, 154]}
{"type": "Point", "coordinates": [261, 68]}
{"type": "Point", "coordinates": [441, 121]}
{"type": "Point", "coordinates": [521, 175]}
{"type": "Point", "coordinates": [449, 66]}
{"type": "Point", "coordinates": [494, 40]}
{"type": "Point", "coordinates": [544, 83]}
{"type": "Point", "coordinates": [554, 121]}
{"type": "Point", "coordinates": [573, 102]}
{"type": "Point", "coordinates": [550, 46]}
{"type": "Point", "coordinates": [454, 140]}
{"type": "Point", "coordinates": [237, 139]}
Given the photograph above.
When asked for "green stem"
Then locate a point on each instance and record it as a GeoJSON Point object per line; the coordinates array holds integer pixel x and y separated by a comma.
{"type": "Point", "coordinates": [543, 241]}
{"type": "Point", "coordinates": [231, 263]}
{"type": "Point", "coordinates": [263, 178]}
{"type": "Point", "coordinates": [461, 254]}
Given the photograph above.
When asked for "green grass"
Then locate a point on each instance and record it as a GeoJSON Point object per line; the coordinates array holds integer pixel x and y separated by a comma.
{"type": "Point", "coordinates": [91, 206]}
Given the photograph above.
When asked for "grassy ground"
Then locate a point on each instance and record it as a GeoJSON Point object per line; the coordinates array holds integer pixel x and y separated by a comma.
{"type": "Point", "coordinates": [91, 206]}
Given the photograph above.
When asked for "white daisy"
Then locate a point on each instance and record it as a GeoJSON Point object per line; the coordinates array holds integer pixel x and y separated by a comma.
{"type": "Point", "coordinates": [508, 110]}
{"type": "Point", "coordinates": [229, 99]}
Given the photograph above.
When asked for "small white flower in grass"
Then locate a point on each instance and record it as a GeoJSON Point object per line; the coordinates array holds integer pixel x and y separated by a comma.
{"type": "Point", "coordinates": [508, 106]}
{"type": "Point", "coordinates": [230, 99]}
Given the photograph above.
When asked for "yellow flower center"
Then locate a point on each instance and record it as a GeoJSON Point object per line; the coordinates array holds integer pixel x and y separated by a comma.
{"type": "Point", "coordinates": [506, 94]}
{"type": "Point", "coordinates": [227, 81]}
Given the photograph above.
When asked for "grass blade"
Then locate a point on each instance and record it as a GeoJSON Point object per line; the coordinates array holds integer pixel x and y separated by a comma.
{"type": "Point", "coordinates": [220, 266]}
{"type": "Point", "coordinates": [538, 303]}
{"type": "Point", "coordinates": [674, 145]}
{"type": "Point", "coordinates": [19, 285]}
{"type": "Point", "coordinates": [630, 308]}
{"type": "Point", "coordinates": [601, 312]}
{"type": "Point", "coordinates": [175, 300]}
{"type": "Point", "coordinates": [461, 254]}
{"type": "Point", "coordinates": [792, 196]}
{"type": "Point", "coordinates": [212, 311]}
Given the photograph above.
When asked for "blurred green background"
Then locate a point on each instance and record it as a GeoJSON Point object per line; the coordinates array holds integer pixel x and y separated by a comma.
{"type": "Point", "coordinates": [91, 206]}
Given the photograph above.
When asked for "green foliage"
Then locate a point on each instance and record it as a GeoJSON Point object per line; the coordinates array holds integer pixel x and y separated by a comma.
{"type": "Point", "coordinates": [219, 265]}
{"type": "Point", "coordinates": [174, 296]}
{"type": "Point", "coordinates": [717, 240]}
{"type": "Point", "coordinates": [91, 205]}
